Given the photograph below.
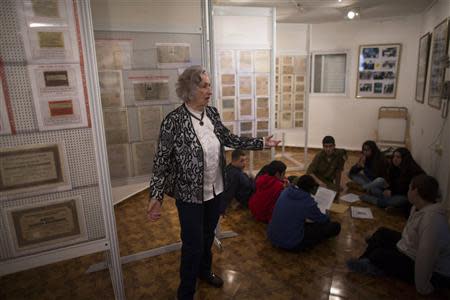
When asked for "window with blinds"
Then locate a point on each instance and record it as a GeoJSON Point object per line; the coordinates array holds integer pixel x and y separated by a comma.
{"type": "Point", "coordinates": [329, 73]}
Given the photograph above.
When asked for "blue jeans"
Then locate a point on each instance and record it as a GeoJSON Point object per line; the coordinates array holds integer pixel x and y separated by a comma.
{"type": "Point", "coordinates": [372, 186]}
{"type": "Point", "coordinates": [382, 201]}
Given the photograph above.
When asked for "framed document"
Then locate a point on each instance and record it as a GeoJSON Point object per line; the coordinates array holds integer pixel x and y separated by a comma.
{"type": "Point", "coordinates": [422, 66]}
{"type": "Point", "coordinates": [116, 125]}
{"type": "Point", "coordinates": [378, 69]}
{"type": "Point", "coordinates": [58, 96]}
{"type": "Point", "coordinates": [245, 61]}
{"type": "Point", "coordinates": [262, 61]}
{"type": "Point", "coordinates": [119, 160]}
{"type": "Point", "coordinates": [143, 154]}
{"type": "Point", "coordinates": [49, 11]}
{"type": "Point", "coordinates": [151, 88]}
{"type": "Point", "coordinates": [6, 119]}
{"type": "Point", "coordinates": [438, 64]}
{"type": "Point", "coordinates": [39, 168]}
{"type": "Point", "coordinates": [150, 118]}
{"type": "Point", "coordinates": [226, 62]}
{"type": "Point", "coordinates": [173, 55]}
{"type": "Point", "coordinates": [113, 54]}
{"type": "Point", "coordinates": [49, 31]}
{"type": "Point", "coordinates": [111, 88]}
{"type": "Point", "coordinates": [45, 226]}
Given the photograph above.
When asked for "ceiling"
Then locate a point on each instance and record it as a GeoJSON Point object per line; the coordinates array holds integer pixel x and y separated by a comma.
{"type": "Point", "coordinates": [322, 11]}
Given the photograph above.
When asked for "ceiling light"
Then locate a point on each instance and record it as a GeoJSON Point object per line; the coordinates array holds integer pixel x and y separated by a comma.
{"type": "Point", "coordinates": [351, 14]}
{"type": "Point", "coordinates": [339, 0]}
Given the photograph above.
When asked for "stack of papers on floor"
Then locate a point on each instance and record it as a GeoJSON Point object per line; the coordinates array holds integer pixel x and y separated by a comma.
{"type": "Point", "coordinates": [324, 198]}
{"type": "Point", "coordinates": [361, 212]}
{"type": "Point", "coordinates": [350, 198]}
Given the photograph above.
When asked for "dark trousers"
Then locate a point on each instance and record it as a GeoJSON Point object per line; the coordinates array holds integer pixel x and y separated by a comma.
{"type": "Point", "coordinates": [317, 232]}
{"type": "Point", "coordinates": [198, 222]}
{"type": "Point", "coordinates": [383, 253]}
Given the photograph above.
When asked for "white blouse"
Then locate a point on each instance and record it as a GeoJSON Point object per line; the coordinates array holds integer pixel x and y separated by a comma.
{"type": "Point", "coordinates": [212, 174]}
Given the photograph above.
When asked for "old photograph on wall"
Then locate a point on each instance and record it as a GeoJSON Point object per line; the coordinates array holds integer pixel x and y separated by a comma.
{"type": "Point", "coordinates": [36, 169]}
{"type": "Point", "coordinates": [437, 70]}
{"type": "Point", "coordinates": [111, 88]}
{"type": "Point", "coordinates": [422, 66]}
{"type": "Point", "coordinates": [43, 226]}
{"type": "Point", "coordinates": [378, 67]}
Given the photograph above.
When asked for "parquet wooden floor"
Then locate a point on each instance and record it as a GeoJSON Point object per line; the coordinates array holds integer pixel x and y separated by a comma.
{"type": "Point", "coordinates": [250, 266]}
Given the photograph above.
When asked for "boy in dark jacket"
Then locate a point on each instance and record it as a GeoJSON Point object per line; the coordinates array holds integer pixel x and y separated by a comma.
{"type": "Point", "coordinates": [297, 222]}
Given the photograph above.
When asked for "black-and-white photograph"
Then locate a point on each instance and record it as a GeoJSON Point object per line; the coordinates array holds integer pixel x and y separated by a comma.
{"type": "Point", "coordinates": [368, 65]}
{"type": "Point", "coordinates": [389, 64]}
{"type": "Point", "coordinates": [365, 87]}
{"type": "Point", "coordinates": [378, 75]}
{"type": "Point", "coordinates": [378, 87]}
{"type": "Point", "coordinates": [422, 66]}
{"type": "Point", "coordinates": [389, 52]}
{"type": "Point", "coordinates": [437, 70]}
{"type": "Point", "coordinates": [365, 75]}
{"type": "Point", "coordinates": [371, 52]}
{"type": "Point", "coordinates": [388, 88]}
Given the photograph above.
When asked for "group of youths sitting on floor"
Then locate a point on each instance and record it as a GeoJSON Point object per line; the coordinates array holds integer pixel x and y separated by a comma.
{"type": "Point", "coordinates": [420, 254]}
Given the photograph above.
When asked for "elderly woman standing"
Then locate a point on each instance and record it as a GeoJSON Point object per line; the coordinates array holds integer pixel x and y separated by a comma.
{"type": "Point", "coordinates": [189, 165]}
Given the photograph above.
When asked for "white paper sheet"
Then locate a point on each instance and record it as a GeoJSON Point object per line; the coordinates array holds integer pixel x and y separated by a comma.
{"type": "Point", "coordinates": [324, 198]}
{"type": "Point", "coordinates": [361, 212]}
{"type": "Point", "coordinates": [350, 198]}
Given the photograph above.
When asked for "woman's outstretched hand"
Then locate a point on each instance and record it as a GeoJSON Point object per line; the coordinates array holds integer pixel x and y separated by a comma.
{"type": "Point", "coordinates": [269, 142]}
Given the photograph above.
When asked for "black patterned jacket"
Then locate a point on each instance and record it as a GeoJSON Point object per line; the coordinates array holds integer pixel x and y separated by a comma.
{"type": "Point", "coordinates": [178, 163]}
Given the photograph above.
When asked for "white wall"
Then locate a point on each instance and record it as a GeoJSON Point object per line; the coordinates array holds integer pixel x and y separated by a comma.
{"type": "Point", "coordinates": [427, 122]}
{"type": "Point", "coordinates": [350, 120]}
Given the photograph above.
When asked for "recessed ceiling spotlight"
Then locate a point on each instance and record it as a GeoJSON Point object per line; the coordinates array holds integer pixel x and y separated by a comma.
{"type": "Point", "coordinates": [339, 0]}
{"type": "Point", "coordinates": [351, 14]}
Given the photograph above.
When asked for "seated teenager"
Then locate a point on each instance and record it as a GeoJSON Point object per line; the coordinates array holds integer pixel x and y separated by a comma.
{"type": "Point", "coordinates": [289, 228]}
{"type": "Point", "coordinates": [370, 171]}
{"type": "Point", "coordinates": [326, 167]}
{"type": "Point", "coordinates": [268, 186]}
{"type": "Point", "coordinates": [401, 171]}
{"type": "Point", "coordinates": [239, 185]}
{"type": "Point", "coordinates": [421, 253]}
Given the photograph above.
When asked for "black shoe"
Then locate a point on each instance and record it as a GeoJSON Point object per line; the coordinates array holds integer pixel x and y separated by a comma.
{"type": "Point", "coordinates": [213, 280]}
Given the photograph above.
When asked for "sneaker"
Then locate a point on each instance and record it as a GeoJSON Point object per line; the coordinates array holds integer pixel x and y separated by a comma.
{"type": "Point", "coordinates": [363, 265]}
{"type": "Point", "coordinates": [351, 185]}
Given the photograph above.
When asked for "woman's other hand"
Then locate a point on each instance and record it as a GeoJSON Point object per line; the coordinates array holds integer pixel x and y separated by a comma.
{"type": "Point", "coordinates": [154, 210]}
{"type": "Point", "coordinates": [269, 142]}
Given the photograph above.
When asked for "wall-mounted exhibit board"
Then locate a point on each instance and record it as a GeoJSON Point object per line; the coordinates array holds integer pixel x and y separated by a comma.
{"type": "Point", "coordinates": [137, 73]}
{"type": "Point", "coordinates": [54, 192]}
{"type": "Point", "coordinates": [244, 66]}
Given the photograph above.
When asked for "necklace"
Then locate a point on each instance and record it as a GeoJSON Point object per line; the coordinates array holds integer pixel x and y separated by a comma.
{"type": "Point", "coordinates": [197, 118]}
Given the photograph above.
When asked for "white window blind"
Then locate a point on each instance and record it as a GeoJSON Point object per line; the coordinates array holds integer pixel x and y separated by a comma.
{"type": "Point", "coordinates": [330, 73]}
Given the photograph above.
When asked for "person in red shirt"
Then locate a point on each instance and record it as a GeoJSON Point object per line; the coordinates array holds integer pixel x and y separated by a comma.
{"type": "Point", "coordinates": [269, 184]}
